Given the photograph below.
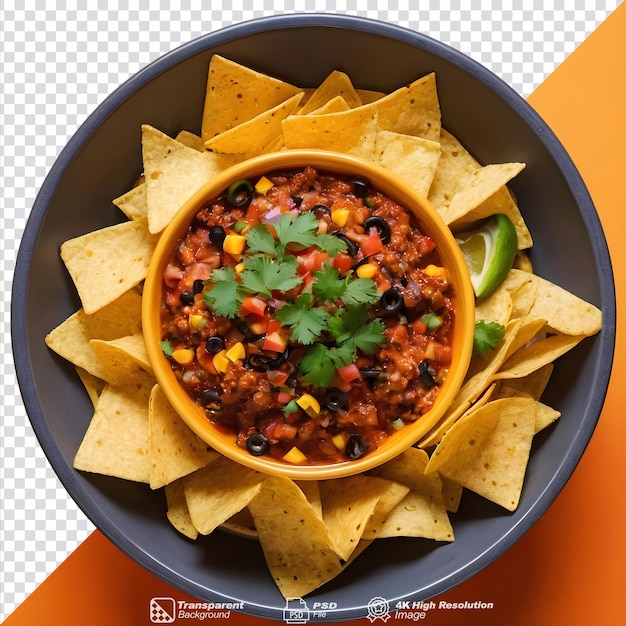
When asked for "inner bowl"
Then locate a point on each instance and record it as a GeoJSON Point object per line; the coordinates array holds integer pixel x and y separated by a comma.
{"type": "Point", "coordinates": [224, 440]}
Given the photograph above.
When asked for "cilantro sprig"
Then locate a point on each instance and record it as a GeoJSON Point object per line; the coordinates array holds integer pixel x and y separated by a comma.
{"type": "Point", "coordinates": [487, 335]}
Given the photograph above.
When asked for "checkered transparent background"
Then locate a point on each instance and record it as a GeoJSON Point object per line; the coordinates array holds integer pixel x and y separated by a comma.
{"type": "Point", "coordinates": [59, 62]}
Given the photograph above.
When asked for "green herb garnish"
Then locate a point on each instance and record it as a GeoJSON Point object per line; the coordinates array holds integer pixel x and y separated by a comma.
{"type": "Point", "coordinates": [486, 336]}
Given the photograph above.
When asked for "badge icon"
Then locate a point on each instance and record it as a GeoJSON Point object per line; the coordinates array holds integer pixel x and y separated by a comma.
{"type": "Point", "coordinates": [378, 608]}
{"type": "Point", "coordinates": [162, 610]}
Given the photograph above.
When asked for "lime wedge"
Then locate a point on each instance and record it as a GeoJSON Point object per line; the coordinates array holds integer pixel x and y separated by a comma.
{"type": "Point", "coordinates": [489, 252]}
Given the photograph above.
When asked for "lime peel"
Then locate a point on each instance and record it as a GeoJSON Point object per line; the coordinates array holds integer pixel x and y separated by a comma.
{"type": "Point", "coordinates": [489, 253]}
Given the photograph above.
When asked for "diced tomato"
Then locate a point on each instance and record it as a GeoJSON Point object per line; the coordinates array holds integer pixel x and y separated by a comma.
{"type": "Point", "coordinates": [274, 326]}
{"type": "Point", "coordinates": [275, 342]}
{"type": "Point", "coordinates": [253, 305]}
{"type": "Point", "coordinates": [278, 378]}
{"type": "Point", "coordinates": [349, 373]}
{"type": "Point", "coordinates": [172, 275]}
{"type": "Point", "coordinates": [372, 244]}
{"type": "Point", "coordinates": [342, 262]}
{"type": "Point", "coordinates": [419, 327]}
{"type": "Point", "coordinates": [283, 397]}
{"type": "Point", "coordinates": [312, 260]}
{"type": "Point", "coordinates": [443, 353]}
{"type": "Point", "coordinates": [209, 256]}
{"type": "Point", "coordinates": [205, 359]}
{"type": "Point", "coordinates": [258, 324]}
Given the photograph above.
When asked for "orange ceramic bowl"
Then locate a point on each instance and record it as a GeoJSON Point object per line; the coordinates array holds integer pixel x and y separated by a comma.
{"type": "Point", "coordinates": [390, 185]}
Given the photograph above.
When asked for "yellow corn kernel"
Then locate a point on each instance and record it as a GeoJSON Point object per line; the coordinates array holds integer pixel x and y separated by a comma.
{"type": "Point", "coordinates": [237, 352]}
{"type": "Point", "coordinates": [240, 267]}
{"type": "Point", "coordinates": [183, 355]}
{"type": "Point", "coordinates": [196, 320]}
{"type": "Point", "coordinates": [339, 441]}
{"type": "Point", "coordinates": [263, 185]}
{"type": "Point", "coordinates": [221, 362]}
{"type": "Point", "coordinates": [367, 270]}
{"type": "Point", "coordinates": [234, 244]}
{"type": "Point", "coordinates": [340, 216]}
{"type": "Point", "coordinates": [436, 271]}
{"type": "Point", "coordinates": [294, 456]}
{"type": "Point", "coordinates": [308, 403]}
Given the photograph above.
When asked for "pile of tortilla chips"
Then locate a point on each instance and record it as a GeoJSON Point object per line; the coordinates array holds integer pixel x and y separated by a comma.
{"type": "Point", "coordinates": [310, 531]}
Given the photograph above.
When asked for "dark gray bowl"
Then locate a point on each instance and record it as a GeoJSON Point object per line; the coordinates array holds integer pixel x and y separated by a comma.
{"type": "Point", "coordinates": [101, 162]}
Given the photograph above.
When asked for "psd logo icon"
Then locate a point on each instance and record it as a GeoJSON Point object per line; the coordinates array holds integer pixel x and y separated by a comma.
{"type": "Point", "coordinates": [162, 610]}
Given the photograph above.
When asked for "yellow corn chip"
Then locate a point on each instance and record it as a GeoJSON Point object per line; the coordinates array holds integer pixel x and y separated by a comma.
{"type": "Point", "coordinates": [336, 84]}
{"type": "Point", "coordinates": [236, 94]}
{"type": "Point", "coordinates": [122, 358]}
{"type": "Point", "coordinates": [216, 492]}
{"type": "Point", "coordinates": [134, 203]}
{"type": "Point", "coordinates": [256, 136]}
{"type": "Point", "coordinates": [178, 511]}
{"type": "Point", "coordinates": [294, 539]}
{"type": "Point", "coordinates": [71, 338]}
{"type": "Point", "coordinates": [175, 450]}
{"type": "Point", "coordinates": [117, 441]}
{"type": "Point", "coordinates": [106, 263]}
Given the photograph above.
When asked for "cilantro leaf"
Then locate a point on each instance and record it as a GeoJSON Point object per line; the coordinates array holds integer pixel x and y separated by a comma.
{"type": "Point", "coordinates": [224, 296]}
{"type": "Point", "coordinates": [343, 323]}
{"type": "Point", "coordinates": [328, 285]}
{"type": "Point", "coordinates": [263, 275]}
{"type": "Point", "coordinates": [319, 363]}
{"type": "Point", "coordinates": [302, 230]}
{"type": "Point", "coordinates": [330, 244]}
{"type": "Point", "coordinates": [306, 322]}
{"type": "Point", "coordinates": [486, 336]}
{"type": "Point", "coordinates": [260, 239]}
{"type": "Point", "coordinates": [367, 338]}
{"type": "Point", "coordinates": [360, 291]}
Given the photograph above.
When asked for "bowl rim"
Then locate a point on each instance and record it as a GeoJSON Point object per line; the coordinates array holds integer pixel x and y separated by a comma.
{"type": "Point", "coordinates": [19, 298]}
{"type": "Point", "coordinates": [392, 186]}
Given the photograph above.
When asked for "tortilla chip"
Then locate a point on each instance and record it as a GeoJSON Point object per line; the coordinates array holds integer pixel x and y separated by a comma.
{"type": "Point", "coordinates": [236, 94]}
{"type": "Point", "coordinates": [452, 493]}
{"type": "Point", "coordinates": [335, 105]}
{"type": "Point", "coordinates": [241, 524]}
{"type": "Point", "coordinates": [216, 492]}
{"type": "Point", "coordinates": [93, 385]}
{"type": "Point", "coordinates": [349, 132]}
{"type": "Point", "coordinates": [410, 110]}
{"type": "Point", "coordinates": [311, 490]}
{"type": "Point", "coordinates": [533, 385]}
{"type": "Point", "coordinates": [463, 437]}
{"type": "Point", "coordinates": [117, 441]}
{"type": "Point", "coordinates": [494, 466]}
{"type": "Point", "coordinates": [122, 358]}
{"type": "Point", "coordinates": [175, 450]}
{"type": "Point", "coordinates": [536, 355]}
{"type": "Point", "coordinates": [256, 136]}
{"type": "Point", "coordinates": [71, 338]}
{"type": "Point", "coordinates": [178, 511]}
{"type": "Point", "coordinates": [347, 505]}
{"type": "Point", "coordinates": [455, 167]}
{"type": "Point", "coordinates": [336, 84]}
{"type": "Point", "coordinates": [392, 495]}
{"type": "Point", "coordinates": [134, 203]}
{"type": "Point", "coordinates": [106, 263]}
{"type": "Point", "coordinates": [369, 95]}
{"type": "Point", "coordinates": [485, 194]}
{"type": "Point", "coordinates": [173, 173]}
{"type": "Point", "coordinates": [422, 512]}
{"type": "Point", "coordinates": [563, 311]}
{"type": "Point", "coordinates": [191, 140]}
{"type": "Point", "coordinates": [413, 158]}
{"type": "Point", "coordinates": [294, 539]}
{"type": "Point", "coordinates": [497, 307]}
